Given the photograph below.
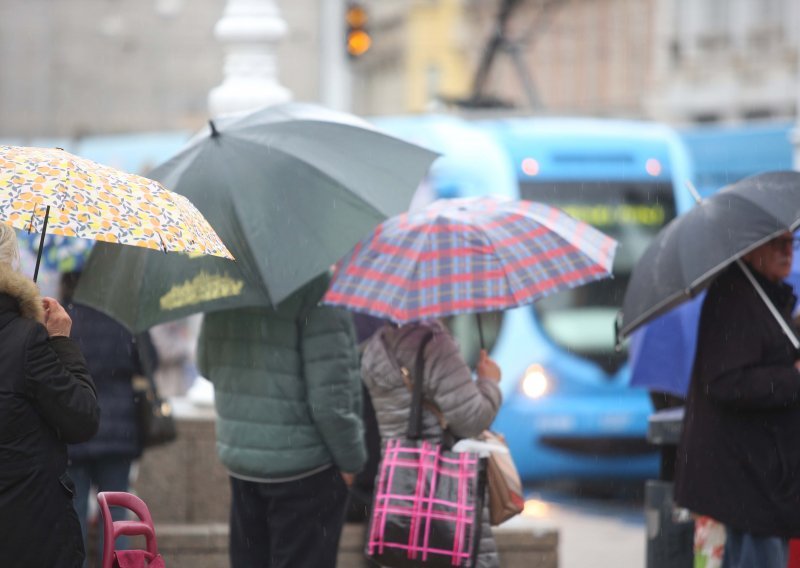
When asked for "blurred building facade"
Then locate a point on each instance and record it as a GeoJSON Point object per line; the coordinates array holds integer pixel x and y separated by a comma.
{"type": "Point", "coordinates": [726, 60]}
{"type": "Point", "coordinates": [591, 57]}
{"type": "Point", "coordinates": [85, 67]}
{"type": "Point", "coordinates": [674, 60]}
{"type": "Point", "coordinates": [88, 67]}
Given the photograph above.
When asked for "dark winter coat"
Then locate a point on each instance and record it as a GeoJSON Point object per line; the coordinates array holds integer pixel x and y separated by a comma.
{"type": "Point", "coordinates": [286, 387]}
{"type": "Point", "coordinates": [47, 399]}
{"type": "Point", "coordinates": [113, 360]}
{"type": "Point", "coordinates": [739, 454]}
{"type": "Point", "coordinates": [468, 406]}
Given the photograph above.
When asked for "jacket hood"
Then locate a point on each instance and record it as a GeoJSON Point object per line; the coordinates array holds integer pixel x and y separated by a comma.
{"type": "Point", "coordinates": [24, 291]}
{"type": "Point", "coordinates": [380, 366]}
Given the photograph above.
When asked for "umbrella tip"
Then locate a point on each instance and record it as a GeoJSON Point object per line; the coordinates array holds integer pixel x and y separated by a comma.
{"type": "Point", "coordinates": [214, 131]}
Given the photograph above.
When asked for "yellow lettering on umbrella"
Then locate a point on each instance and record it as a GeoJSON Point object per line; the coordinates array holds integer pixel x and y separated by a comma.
{"type": "Point", "coordinates": [202, 288]}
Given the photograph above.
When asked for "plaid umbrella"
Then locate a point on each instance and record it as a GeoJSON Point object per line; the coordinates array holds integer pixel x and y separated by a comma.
{"type": "Point", "coordinates": [48, 189]}
{"type": "Point", "coordinates": [468, 255]}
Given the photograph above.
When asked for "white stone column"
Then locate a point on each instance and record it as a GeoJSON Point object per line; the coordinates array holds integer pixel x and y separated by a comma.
{"type": "Point", "coordinates": [250, 31]}
{"type": "Point", "coordinates": [335, 74]}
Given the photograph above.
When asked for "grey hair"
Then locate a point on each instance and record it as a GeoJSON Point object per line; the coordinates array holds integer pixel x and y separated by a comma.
{"type": "Point", "coordinates": [9, 247]}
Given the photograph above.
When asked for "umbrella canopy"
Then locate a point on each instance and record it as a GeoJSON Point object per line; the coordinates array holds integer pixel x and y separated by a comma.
{"type": "Point", "coordinates": [662, 351]}
{"type": "Point", "coordinates": [44, 189]}
{"type": "Point", "coordinates": [290, 188]}
{"type": "Point", "coordinates": [692, 249]}
{"type": "Point", "coordinates": [468, 255]}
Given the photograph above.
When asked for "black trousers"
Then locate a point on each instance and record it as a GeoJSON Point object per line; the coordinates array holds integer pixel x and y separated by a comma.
{"type": "Point", "coordinates": [295, 524]}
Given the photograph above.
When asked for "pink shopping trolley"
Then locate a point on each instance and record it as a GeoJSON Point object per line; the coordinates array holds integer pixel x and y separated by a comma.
{"type": "Point", "coordinates": [113, 558]}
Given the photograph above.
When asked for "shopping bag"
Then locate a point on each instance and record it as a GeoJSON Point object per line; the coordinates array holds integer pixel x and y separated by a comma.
{"type": "Point", "coordinates": [154, 414]}
{"type": "Point", "coordinates": [428, 500]}
{"type": "Point", "coordinates": [506, 498]}
{"type": "Point", "coordinates": [709, 542]}
{"type": "Point", "coordinates": [427, 506]}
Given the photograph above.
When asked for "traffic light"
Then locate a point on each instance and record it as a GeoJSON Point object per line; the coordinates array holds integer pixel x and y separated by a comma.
{"type": "Point", "coordinates": [358, 38]}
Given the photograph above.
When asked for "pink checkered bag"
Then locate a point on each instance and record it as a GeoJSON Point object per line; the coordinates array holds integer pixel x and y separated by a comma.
{"type": "Point", "coordinates": [428, 500]}
{"type": "Point", "coordinates": [427, 506]}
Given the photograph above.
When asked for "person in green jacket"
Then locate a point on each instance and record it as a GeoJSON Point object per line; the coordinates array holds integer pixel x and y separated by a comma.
{"type": "Point", "coordinates": [289, 430]}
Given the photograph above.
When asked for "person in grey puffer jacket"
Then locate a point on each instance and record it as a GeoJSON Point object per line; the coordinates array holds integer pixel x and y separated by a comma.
{"type": "Point", "coordinates": [468, 406]}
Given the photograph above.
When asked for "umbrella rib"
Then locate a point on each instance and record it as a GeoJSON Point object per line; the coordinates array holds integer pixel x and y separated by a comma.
{"type": "Point", "coordinates": [425, 236]}
{"type": "Point", "coordinates": [505, 268]}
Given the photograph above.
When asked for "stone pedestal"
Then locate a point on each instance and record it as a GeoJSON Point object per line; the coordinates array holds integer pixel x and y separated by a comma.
{"type": "Point", "coordinates": [187, 491]}
{"type": "Point", "coordinates": [184, 482]}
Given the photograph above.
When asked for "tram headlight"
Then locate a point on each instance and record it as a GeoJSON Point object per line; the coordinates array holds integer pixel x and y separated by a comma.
{"type": "Point", "coordinates": [535, 382]}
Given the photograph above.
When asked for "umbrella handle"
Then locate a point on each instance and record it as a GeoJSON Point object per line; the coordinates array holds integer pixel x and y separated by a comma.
{"type": "Point", "coordinates": [778, 317]}
{"type": "Point", "coordinates": [41, 244]}
{"type": "Point", "coordinates": [480, 330]}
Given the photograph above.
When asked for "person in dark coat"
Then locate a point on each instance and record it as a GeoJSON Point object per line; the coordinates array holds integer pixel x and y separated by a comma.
{"type": "Point", "coordinates": [112, 354]}
{"type": "Point", "coordinates": [739, 455]}
{"type": "Point", "coordinates": [47, 399]}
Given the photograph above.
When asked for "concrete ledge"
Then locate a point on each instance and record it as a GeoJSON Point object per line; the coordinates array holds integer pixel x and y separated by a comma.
{"type": "Point", "coordinates": [527, 547]}
{"type": "Point", "coordinates": [206, 546]}
{"type": "Point", "coordinates": [518, 547]}
{"type": "Point", "coordinates": [193, 546]}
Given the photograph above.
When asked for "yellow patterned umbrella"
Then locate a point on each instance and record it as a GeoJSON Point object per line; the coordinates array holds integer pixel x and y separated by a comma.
{"type": "Point", "coordinates": [44, 189]}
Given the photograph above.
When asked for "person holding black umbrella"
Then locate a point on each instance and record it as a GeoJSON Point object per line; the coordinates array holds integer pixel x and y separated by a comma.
{"type": "Point", "coordinates": [739, 458]}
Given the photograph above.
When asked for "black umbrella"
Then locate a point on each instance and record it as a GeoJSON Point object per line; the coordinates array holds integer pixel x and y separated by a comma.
{"type": "Point", "coordinates": [691, 250]}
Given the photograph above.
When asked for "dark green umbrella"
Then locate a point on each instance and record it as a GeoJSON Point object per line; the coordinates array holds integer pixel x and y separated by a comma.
{"type": "Point", "coordinates": [289, 189]}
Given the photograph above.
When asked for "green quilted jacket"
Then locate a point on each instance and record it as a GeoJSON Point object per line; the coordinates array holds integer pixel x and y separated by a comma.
{"type": "Point", "coordinates": [287, 387]}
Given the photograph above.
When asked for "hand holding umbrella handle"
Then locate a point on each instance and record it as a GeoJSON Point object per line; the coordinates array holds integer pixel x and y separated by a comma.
{"type": "Point", "coordinates": [56, 319]}
{"type": "Point", "coordinates": [487, 368]}
{"type": "Point", "coordinates": [480, 330]}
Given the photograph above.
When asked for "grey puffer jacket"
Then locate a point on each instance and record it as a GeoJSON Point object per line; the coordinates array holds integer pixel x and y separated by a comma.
{"type": "Point", "coordinates": [469, 406]}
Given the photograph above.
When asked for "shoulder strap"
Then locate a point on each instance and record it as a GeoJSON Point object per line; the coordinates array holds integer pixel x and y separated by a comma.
{"type": "Point", "coordinates": [415, 416]}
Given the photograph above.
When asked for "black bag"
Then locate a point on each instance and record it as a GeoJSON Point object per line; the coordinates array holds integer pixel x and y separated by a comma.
{"type": "Point", "coordinates": [428, 503]}
{"type": "Point", "coordinates": [154, 414]}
